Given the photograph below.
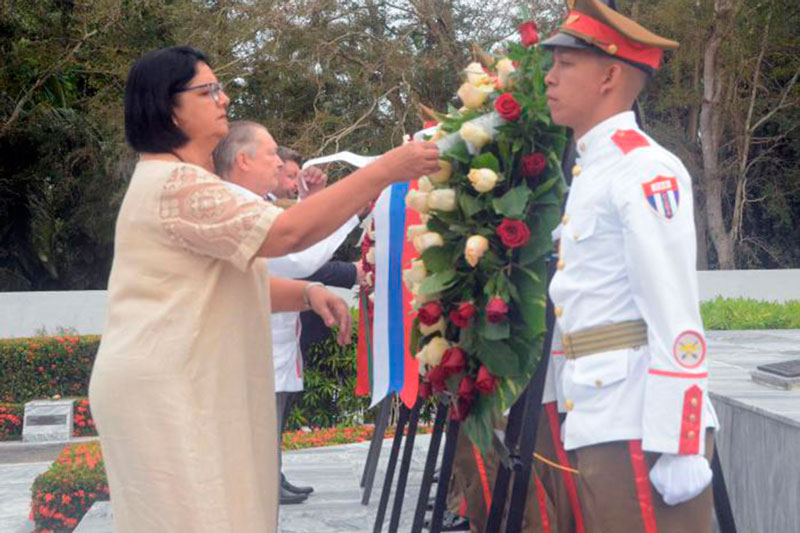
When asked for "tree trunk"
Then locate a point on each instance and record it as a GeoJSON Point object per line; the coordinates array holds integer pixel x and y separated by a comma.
{"type": "Point", "coordinates": [711, 114]}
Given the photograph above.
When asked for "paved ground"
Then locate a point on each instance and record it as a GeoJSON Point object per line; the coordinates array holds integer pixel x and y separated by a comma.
{"type": "Point", "coordinates": [335, 472]}
{"type": "Point", "coordinates": [335, 506]}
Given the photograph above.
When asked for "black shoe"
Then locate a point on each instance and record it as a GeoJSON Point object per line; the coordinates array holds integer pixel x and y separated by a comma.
{"type": "Point", "coordinates": [288, 498]}
{"type": "Point", "coordinates": [285, 485]}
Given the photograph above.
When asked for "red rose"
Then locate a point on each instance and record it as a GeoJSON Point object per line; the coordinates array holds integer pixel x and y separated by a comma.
{"type": "Point", "coordinates": [429, 124]}
{"type": "Point", "coordinates": [430, 313]}
{"type": "Point", "coordinates": [463, 314]}
{"type": "Point", "coordinates": [486, 382]}
{"type": "Point", "coordinates": [507, 107]}
{"type": "Point", "coordinates": [436, 376]}
{"type": "Point", "coordinates": [460, 409]}
{"type": "Point", "coordinates": [533, 165]}
{"type": "Point", "coordinates": [528, 33]}
{"type": "Point", "coordinates": [513, 233]}
{"type": "Point", "coordinates": [425, 390]}
{"type": "Point", "coordinates": [466, 389]}
{"type": "Point", "coordinates": [454, 361]}
{"type": "Point", "coordinates": [496, 310]}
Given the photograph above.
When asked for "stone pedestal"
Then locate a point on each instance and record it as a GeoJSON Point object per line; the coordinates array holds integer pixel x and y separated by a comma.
{"type": "Point", "coordinates": [47, 421]}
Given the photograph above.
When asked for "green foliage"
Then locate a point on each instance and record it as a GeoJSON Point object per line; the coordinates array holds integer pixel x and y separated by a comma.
{"type": "Point", "coordinates": [330, 380]}
{"type": "Point", "coordinates": [745, 313]}
{"type": "Point", "coordinates": [43, 367]}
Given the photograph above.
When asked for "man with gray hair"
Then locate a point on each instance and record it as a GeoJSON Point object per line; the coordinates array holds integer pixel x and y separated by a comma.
{"type": "Point", "coordinates": [249, 158]}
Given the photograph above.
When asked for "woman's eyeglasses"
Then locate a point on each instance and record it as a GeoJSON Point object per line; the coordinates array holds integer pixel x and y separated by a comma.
{"type": "Point", "coordinates": [214, 89]}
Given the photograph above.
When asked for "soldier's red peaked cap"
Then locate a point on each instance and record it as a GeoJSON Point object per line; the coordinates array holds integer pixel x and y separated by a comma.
{"type": "Point", "coordinates": [592, 24]}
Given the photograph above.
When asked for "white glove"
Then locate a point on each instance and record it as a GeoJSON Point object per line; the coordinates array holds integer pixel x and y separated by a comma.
{"type": "Point", "coordinates": [680, 478]}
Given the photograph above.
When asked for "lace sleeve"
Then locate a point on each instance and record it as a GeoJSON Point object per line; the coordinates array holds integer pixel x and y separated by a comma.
{"type": "Point", "coordinates": [208, 216]}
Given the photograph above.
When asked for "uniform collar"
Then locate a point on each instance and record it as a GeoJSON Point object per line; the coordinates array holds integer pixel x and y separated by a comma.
{"type": "Point", "coordinates": [598, 136]}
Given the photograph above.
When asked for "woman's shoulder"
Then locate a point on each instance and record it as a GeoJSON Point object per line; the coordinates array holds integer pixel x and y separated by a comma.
{"type": "Point", "coordinates": [175, 172]}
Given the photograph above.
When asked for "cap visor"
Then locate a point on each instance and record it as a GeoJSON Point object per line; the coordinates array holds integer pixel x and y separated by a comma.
{"type": "Point", "coordinates": [564, 40]}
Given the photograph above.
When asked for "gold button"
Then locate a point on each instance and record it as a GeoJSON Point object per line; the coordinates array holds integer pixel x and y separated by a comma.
{"type": "Point", "coordinates": [576, 236]}
{"type": "Point", "coordinates": [582, 146]}
{"type": "Point", "coordinates": [612, 49]}
{"type": "Point", "coordinates": [561, 264]}
{"type": "Point", "coordinates": [569, 405]}
{"type": "Point", "coordinates": [692, 418]}
{"type": "Point", "coordinates": [576, 170]}
{"type": "Point", "coordinates": [599, 382]}
{"type": "Point", "coordinates": [693, 401]}
{"type": "Point", "coordinates": [565, 219]}
{"type": "Point", "coordinates": [691, 434]}
{"type": "Point", "coordinates": [558, 311]}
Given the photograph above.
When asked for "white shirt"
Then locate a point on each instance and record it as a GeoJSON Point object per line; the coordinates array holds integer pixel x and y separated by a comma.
{"type": "Point", "coordinates": [286, 326]}
{"type": "Point", "coordinates": [628, 252]}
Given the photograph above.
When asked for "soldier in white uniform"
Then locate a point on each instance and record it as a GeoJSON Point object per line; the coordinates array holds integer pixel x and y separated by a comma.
{"type": "Point", "coordinates": [631, 372]}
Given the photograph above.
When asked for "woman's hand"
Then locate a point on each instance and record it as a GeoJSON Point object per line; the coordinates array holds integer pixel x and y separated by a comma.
{"type": "Point", "coordinates": [333, 311]}
{"type": "Point", "coordinates": [410, 161]}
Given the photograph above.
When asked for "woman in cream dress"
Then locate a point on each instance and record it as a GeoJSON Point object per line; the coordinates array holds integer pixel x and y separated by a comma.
{"type": "Point", "coordinates": [182, 388]}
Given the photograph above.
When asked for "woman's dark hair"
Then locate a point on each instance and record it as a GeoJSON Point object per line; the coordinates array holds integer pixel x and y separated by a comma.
{"type": "Point", "coordinates": [150, 93]}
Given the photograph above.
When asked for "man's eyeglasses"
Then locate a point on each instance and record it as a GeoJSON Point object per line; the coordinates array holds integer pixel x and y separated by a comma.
{"type": "Point", "coordinates": [214, 89]}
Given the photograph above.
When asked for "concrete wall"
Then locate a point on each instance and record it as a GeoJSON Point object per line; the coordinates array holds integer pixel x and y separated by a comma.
{"type": "Point", "coordinates": [24, 314]}
{"type": "Point", "coordinates": [770, 285]}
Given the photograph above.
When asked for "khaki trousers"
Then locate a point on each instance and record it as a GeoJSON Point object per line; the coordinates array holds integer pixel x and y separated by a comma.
{"type": "Point", "coordinates": [473, 478]}
{"type": "Point", "coordinates": [616, 495]}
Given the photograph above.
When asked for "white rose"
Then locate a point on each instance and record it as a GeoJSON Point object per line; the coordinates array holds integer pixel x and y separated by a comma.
{"type": "Point", "coordinates": [475, 248]}
{"type": "Point", "coordinates": [475, 74]}
{"type": "Point", "coordinates": [369, 278]}
{"type": "Point", "coordinates": [505, 67]}
{"type": "Point", "coordinates": [424, 218]}
{"type": "Point", "coordinates": [442, 200]}
{"type": "Point", "coordinates": [370, 257]}
{"type": "Point", "coordinates": [444, 173]}
{"type": "Point", "coordinates": [438, 134]}
{"type": "Point", "coordinates": [371, 230]}
{"type": "Point", "coordinates": [432, 353]}
{"type": "Point", "coordinates": [474, 134]}
{"type": "Point", "coordinates": [473, 97]}
{"type": "Point", "coordinates": [417, 200]}
{"type": "Point", "coordinates": [415, 231]}
{"type": "Point", "coordinates": [433, 328]}
{"type": "Point", "coordinates": [483, 179]}
{"type": "Point", "coordinates": [424, 184]}
{"type": "Point", "coordinates": [415, 274]}
{"type": "Point", "coordinates": [427, 240]}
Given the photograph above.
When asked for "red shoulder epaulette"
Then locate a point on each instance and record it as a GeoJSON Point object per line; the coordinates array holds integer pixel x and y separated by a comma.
{"type": "Point", "coordinates": [629, 140]}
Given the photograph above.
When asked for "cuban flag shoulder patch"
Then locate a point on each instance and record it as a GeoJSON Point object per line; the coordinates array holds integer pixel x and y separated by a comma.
{"type": "Point", "coordinates": [663, 195]}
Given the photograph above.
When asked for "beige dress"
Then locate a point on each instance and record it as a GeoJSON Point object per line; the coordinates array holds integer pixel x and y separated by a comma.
{"type": "Point", "coordinates": [182, 389]}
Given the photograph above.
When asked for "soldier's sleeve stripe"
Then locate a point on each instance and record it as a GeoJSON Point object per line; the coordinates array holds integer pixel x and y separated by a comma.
{"type": "Point", "coordinates": [663, 195]}
{"type": "Point", "coordinates": [669, 374]}
{"type": "Point", "coordinates": [629, 140]}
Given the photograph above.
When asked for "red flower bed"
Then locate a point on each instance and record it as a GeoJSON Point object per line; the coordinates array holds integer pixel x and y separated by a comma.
{"type": "Point", "coordinates": [63, 494]}
{"type": "Point", "coordinates": [298, 440]}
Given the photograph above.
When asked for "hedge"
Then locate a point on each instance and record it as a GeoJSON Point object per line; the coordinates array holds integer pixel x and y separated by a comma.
{"type": "Point", "coordinates": [745, 313]}
{"type": "Point", "coordinates": [43, 367]}
{"type": "Point", "coordinates": [66, 491]}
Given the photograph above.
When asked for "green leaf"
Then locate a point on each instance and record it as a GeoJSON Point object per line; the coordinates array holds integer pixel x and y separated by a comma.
{"type": "Point", "coordinates": [533, 298]}
{"type": "Point", "coordinates": [512, 204]}
{"type": "Point", "coordinates": [459, 152]}
{"type": "Point", "coordinates": [437, 258]}
{"type": "Point", "coordinates": [494, 332]}
{"type": "Point", "coordinates": [543, 188]}
{"type": "Point", "coordinates": [470, 205]}
{"type": "Point", "coordinates": [487, 160]}
{"type": "Point", "coordinates": [438, 282]}
{"type": "Point", "coordinates": [498, 357]}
